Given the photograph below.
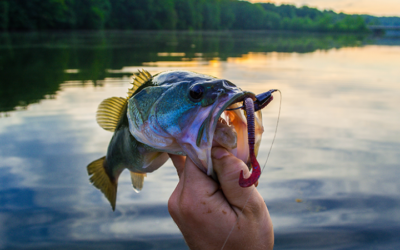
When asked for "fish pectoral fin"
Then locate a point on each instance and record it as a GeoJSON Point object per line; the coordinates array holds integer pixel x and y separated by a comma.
{"type": "Point", "coordinates": [110, 111]}
{"type": "Point", "coordinates": [137, 180]}
{"type": "Point", "coordinates": [100, 179]}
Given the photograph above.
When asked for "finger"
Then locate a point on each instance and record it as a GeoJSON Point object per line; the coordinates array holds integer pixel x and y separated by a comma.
{"type": "Point", "coordinates": [228, 168]}
{"type": "Point", "coordinates": [179, 163]}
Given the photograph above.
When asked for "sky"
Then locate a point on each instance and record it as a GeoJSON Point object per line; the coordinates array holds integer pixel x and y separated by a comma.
{"type": "Point", "coordinates": [372, 7]}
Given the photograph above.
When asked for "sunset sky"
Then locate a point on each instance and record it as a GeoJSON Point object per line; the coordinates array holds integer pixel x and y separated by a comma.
{"type": "Point", "coordinates": [372, 7]}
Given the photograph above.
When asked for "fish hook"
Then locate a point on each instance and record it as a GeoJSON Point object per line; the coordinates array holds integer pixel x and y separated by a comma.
{"type": "Point", "coordinates": [263, 99]}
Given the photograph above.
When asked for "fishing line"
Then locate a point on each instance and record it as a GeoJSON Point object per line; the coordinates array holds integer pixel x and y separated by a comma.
{"type": "Point", "coordinates": [262, 170]}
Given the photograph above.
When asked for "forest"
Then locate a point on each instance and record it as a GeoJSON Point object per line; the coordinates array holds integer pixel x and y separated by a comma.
{"type": "Point", "coordinates": [28, 15]}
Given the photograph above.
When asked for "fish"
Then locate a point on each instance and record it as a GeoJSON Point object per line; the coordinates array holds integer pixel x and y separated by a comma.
{"type": "Point", "coordinates": [175, 112]}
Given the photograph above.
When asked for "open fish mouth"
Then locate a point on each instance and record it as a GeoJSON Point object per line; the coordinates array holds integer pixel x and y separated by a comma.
{"type": "Point", "coordinates": [212, 120]}
{"type": "Point", "coordinates": [226, 126]}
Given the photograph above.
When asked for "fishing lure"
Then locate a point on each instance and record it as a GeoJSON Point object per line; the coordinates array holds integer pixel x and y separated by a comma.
{"type": "Point", "coordinates": [262, 100]}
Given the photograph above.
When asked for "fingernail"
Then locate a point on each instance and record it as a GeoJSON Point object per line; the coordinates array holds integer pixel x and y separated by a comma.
{"type": "Point", "coordinates": [219, 153]}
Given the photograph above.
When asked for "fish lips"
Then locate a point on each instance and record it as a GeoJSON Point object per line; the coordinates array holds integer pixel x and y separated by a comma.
{"type": "Point", "coordinates": [201, 153]}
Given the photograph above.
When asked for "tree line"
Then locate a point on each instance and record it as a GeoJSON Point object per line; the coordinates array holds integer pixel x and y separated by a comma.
{"type": "Point", "coordinates": [170, 15]}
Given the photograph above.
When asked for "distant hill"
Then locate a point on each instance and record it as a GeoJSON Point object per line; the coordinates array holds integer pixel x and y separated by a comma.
{"type": "Point", "coordinates": [386, 21]}
{"type": "Point", "coordinates": [390, 21]}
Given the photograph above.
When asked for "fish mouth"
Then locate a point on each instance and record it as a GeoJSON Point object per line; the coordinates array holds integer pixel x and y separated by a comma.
{"type": "Point", "coordinates": [214, 117]}
{"type": "Point", "coordinates": [227, 128]}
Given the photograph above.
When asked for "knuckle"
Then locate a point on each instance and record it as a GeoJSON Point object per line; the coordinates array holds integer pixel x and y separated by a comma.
{"type": "Point", "coordinates": [256, 206]}
{"type": "Point", "coordinates": [173, 207]}
{"type": "Point", "coordinates": [234, 166]}
{"type": "Point", "coordinates": [231, 168]}
{"type": "Point", "coordinates": [180, 207]}
{"type": "Point", "coordinates": [186, 208]}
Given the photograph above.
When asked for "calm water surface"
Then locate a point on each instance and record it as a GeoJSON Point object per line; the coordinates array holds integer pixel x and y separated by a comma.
{"type": "Point", "coordinates": [337, 149]}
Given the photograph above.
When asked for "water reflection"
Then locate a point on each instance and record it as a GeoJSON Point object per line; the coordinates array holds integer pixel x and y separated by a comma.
{"type": "Point", "coordinates": [49, 59]}
{"type": "Point", "coordinates": [337, 147]}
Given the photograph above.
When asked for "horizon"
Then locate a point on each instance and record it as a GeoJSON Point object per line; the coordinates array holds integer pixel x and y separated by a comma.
{"type": "Point", "coordinates": [386, 8]}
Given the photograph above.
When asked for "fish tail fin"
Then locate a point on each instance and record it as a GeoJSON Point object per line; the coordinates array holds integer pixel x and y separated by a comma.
{"type": "Point", "coordinates": [101, 180]}
{"type": "Point", "coordinates": [137, 180]}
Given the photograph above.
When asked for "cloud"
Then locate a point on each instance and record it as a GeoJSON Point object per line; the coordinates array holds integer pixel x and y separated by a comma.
{"type": "Point", "coordinates": [378, 8]}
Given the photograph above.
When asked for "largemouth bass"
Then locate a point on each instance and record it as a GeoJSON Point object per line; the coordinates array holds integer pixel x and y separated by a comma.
{"type": "Point", "coordinates": [176, 112]}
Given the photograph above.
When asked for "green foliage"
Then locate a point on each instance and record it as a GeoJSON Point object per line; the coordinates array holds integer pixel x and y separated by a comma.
{"type": "Point", "coordinates": [306, 11]}
{"type": "Point", "coordinates": [351, 24]}
{"type": "Point", "coordinates": [163, 15]}
{"type": "Point", "coordinates": [37, 14]}
{"type": "Point", "coordinates": [3, 15]}
{"type": "Point", "coordinates": [128, 14]}
{"type": "Point", "coordinates": [90, 14]}
{"type": "Point", "coordinates": [272, 20]}
{"type": "Point", "coordinates": [211, 15]}
{"type": "Point", "coordinates": [171, 15]}
{"type": "Point", "coordinates": [227, 15]}
{"type": "Point", "coordinates": [371, 20]}
{"type": "Point", "coordinates": [248, 16]}
{"type": "Point", "coordinates": [187, 15]}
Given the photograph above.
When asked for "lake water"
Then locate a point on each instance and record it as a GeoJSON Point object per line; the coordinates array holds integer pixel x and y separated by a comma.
{"type": "Point", "coordinates": [337, 149]}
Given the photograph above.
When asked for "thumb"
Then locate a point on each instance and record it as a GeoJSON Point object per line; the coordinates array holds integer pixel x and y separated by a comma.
{"type": "Point", "coordinates": [228, 169]}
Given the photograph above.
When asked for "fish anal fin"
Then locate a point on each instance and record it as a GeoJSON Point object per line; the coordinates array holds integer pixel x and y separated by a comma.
{"type": "Point", "coordinates": [137, 180]}
{"type": "Point", "coordinates": [110, 111]}
{"type": "Point", "coordinates": [100, 179]}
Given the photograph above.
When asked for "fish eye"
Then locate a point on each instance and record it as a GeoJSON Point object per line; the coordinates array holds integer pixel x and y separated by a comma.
{"type": "Point", "coordinates": [196, 92]}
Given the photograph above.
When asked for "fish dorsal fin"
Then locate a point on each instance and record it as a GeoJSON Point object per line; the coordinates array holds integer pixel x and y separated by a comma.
{"type": "Point", "coordinates": [102, 181]}
{"type": "Point", "coordinates": [110, 112]}
{"type": "Point", "coordinates": [138, 80]}
{"type": "Point", "coordinates": [137, 180]}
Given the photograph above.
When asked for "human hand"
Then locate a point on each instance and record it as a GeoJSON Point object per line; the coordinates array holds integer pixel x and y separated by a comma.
{"type": "Point", "coordinates": [206, 211]}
